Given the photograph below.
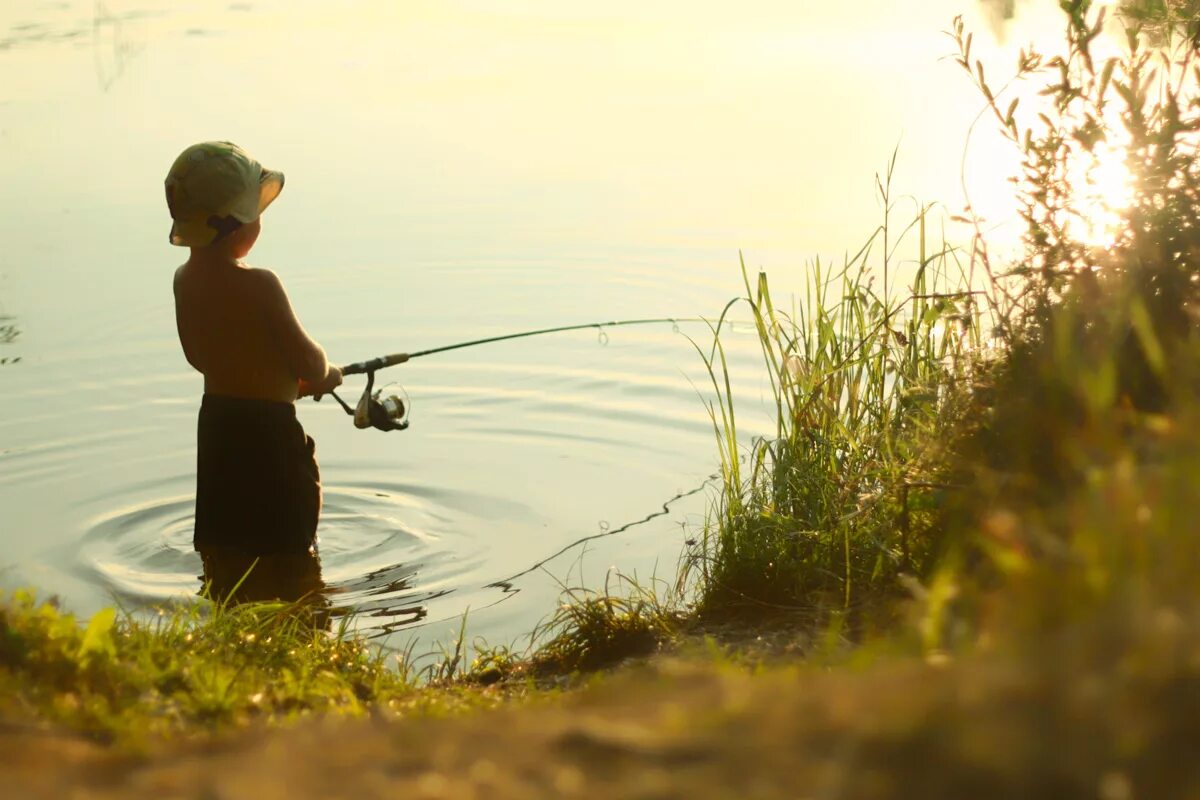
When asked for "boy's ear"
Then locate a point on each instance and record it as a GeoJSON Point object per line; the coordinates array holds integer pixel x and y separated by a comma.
{"type": "Point", "coordinates": [224, 226]}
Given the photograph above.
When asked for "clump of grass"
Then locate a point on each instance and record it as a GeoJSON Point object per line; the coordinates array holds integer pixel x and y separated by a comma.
{"type": "Point", "coordinates": [492, 664]}
{"type": "Point", "coordinates": [595, 629]}
{"type": "Point", "coordinates": [915, 455]}
{"type": "Point", "coordinates": [1079, 456]}
{"type": "Point", "coordinates": [190, 668]}
{"type": "Point", "coordinates": [826, 511]}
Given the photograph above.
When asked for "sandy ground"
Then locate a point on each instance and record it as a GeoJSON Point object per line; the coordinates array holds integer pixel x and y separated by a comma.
{"type": "Point", "coordinates": [679, 728]}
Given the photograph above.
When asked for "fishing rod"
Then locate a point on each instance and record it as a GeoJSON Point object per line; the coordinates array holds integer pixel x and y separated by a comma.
{"type": "Point", "coordinates": [391, 413]}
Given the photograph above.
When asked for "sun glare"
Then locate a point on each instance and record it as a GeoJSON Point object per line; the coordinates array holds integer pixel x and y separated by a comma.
{"type": "Point", "coordinates": [1102, 188]}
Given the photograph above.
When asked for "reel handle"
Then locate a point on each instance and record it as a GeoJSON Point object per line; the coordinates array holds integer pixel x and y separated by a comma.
{"type": "Point", "coordinates": [371, 412]}
{"type": "Point", "coordinates": [375, 363]}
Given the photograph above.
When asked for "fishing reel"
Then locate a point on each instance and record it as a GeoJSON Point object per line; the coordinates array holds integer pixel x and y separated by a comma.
{"type": "Point", "coordinates": [375, 411]}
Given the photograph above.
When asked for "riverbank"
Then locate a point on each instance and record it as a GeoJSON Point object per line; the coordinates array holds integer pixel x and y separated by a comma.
{"type": "Point", "coordinates": [1062, 719]}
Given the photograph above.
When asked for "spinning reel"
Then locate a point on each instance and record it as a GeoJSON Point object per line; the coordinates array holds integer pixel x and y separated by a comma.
{"type": "Point", "coordinates": [373, 410]}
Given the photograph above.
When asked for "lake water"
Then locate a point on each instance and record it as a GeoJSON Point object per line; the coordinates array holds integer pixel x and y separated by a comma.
{"type": "Point", "coordinates": [454, 170]}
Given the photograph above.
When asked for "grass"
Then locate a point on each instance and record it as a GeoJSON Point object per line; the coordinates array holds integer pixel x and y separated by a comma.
{"type": "Point", "coordinates": [595, 629]}
{"type": "Point", "coordinates": [204, 668]}
{"type": "Point", "coordinates": [195, 668]}
{"type": "Point", "coordinates": [1004, 449]}
{"type": "Point", "coordinates": [827, 510]}
{"type": "Point", "coordinates": [1078, 452]}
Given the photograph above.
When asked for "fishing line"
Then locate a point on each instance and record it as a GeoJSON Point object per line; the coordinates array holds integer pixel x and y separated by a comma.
{"type": "Point", "coordinates": [605, 531]}
{"type": "Point", "coordinates": [507, 586]}
{"type": "Point", "coordinates": [391, 413]}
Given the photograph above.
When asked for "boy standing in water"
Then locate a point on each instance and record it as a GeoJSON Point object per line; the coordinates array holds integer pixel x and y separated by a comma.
{"type": "Point", "coordinates": [258, 490]}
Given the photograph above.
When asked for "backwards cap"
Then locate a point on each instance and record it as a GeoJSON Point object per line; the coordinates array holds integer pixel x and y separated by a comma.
{"type": "Point", "coordinates": [213, 189]}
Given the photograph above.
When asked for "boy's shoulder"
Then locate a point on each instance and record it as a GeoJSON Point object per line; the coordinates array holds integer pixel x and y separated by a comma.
{"type": "Point", "coordinates": [267, 288]}
{"type": "Point", "coordinates": [264, 276]}
{"type": "Point", "coordinates": [253, 286]}
{"type": "Point", "coordinates": [246, 275]}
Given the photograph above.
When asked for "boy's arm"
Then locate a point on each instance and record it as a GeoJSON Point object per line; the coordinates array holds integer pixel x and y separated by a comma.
{"type": "Point", "coordinates": [183, 340]}
{"type": "Point", "coordinates": [303, 356]}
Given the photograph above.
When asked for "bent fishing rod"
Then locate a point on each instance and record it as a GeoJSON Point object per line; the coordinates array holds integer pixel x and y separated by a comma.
{"type": "Point", "coordinates": [391, 413]}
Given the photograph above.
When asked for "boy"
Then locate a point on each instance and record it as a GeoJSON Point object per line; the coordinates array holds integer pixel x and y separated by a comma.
{"type": "Point", "coordinates": [258, 490]}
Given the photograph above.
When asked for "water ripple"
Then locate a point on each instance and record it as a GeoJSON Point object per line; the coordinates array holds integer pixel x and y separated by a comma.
{"type": "Point", "coordinates": [384, 550]}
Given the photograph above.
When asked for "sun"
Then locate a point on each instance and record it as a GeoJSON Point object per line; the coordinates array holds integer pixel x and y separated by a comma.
{"type": "Point", "coordinates": [1102, 188]}
{"type": "Point", "coordinates": [1099, 189]}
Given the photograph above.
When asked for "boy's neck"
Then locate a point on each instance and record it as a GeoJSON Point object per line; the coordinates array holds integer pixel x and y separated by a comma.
{"type": "Point", "coordinates": [216, 257]}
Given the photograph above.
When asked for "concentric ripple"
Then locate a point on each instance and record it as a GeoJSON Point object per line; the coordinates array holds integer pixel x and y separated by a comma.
{"type": "Point", "coordinates": [385, 553]}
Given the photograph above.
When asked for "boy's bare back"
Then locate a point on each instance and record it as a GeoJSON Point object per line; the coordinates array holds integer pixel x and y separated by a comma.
{"type": "Point", "coordinates": [238, 328]}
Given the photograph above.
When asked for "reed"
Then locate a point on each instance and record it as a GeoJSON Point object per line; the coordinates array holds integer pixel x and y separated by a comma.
{"type": "Point", "coordinates": [861, 371]}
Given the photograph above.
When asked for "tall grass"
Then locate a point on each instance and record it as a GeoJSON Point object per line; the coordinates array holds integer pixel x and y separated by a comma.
{"type": "Point", "coordinates": [1031, 438]}
{"type": "Point", "coordinates": [861, 371]}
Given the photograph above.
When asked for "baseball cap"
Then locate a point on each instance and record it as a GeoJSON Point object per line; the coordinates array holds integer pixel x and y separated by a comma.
{"type": "Point", "coordinates": [214, 188]}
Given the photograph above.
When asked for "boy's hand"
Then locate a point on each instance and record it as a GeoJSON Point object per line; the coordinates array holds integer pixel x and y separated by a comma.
{"type": "Point", "coordinates": [332, 380]}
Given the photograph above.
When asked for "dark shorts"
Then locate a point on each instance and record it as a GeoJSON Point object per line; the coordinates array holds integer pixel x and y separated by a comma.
{"type": "Point", "coordinates": [257, 485]}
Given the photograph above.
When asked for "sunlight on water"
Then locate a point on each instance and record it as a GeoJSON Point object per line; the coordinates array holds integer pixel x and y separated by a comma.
{"type": "Point", "coordinates": [454, 170]}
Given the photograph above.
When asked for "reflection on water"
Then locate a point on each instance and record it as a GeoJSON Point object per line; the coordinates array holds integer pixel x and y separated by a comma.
{"type": "Point", "coordinates": [385, 555]}
{"type": "Point", "coordinates": [385, 599]}
{"type": "Point", "coordinates": [382, 601]}
{"type": "Point", "coordinates": [373, 565]}
{"type": "Point", "coordinates": [24, 33]}
{"type": "Point", "coordinates": [231, 576]}
{"type": "Point", "coordinates": [9, 333]}
{"type": "Point", "coordinates": [113, 43]}
{"type": "Point", "coordinates": [115, 40]}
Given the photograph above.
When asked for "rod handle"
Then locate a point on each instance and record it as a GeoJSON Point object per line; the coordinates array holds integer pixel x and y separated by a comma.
{"type": "Point", "coordinates": [375, 363]}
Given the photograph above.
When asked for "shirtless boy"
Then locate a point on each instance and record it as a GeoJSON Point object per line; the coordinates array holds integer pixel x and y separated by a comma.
{"type": "Point", "coordinates": [258, 490]}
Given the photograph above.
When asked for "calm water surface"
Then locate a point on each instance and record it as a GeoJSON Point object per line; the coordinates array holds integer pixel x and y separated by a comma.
{"type": "Point", "coordinates": [455, 170]}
